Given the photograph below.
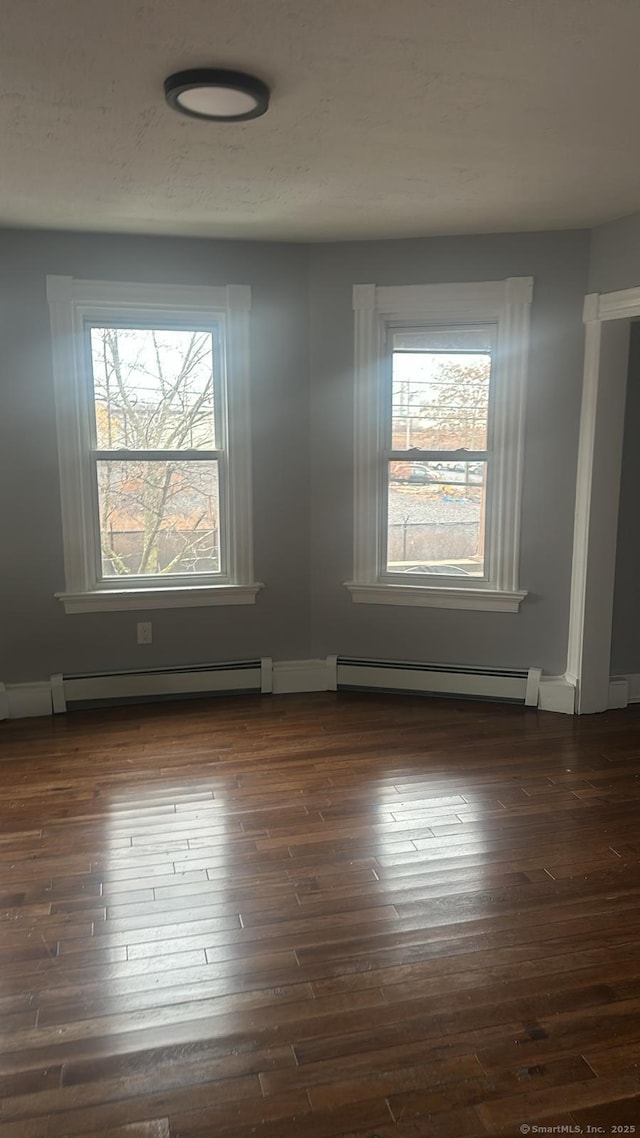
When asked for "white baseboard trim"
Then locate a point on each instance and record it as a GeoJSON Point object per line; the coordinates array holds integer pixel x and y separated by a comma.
{"type": "Point", "coordinates": [23, 701]}
{"type": "Point", "coordinates": [291, 676]}
{"type": "Point", "coordinates": [619, 692]}
{"type": "Point", "coordinates": [557, 693]}
{"type": "Point", "coordinates": [632, 680]}
{"type": "Point", "coordinates": [554, 693]}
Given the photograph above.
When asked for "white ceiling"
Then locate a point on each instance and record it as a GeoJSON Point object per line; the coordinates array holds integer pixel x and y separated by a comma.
{"type": "Point", "coordinates": [400, 118]}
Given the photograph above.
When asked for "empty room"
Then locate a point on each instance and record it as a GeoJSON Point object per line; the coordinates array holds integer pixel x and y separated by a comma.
{"type": "Point", "coordinates": [320, 618]}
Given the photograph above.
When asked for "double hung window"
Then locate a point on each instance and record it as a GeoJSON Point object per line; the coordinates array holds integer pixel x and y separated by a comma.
{"type": "Point", "coordinates": [440, 383]}
{"type": "Point", "coordinates": [153, 422]}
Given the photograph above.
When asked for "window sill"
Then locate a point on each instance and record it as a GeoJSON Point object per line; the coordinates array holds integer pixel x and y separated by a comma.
{"type": "Point", "coordinates": [194, 596]}
{"type": "Point", "coordinates": [436, 596]}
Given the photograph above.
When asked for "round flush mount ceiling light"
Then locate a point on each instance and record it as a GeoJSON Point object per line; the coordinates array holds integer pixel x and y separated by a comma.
{"type": "Point", "coordinates": [216, 94]}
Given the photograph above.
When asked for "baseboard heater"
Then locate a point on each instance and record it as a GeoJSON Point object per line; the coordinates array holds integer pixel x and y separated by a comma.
{"type": "Point", "coordinates": [105, 688]}
{"type": "Point", "coordinates": [513, 685]}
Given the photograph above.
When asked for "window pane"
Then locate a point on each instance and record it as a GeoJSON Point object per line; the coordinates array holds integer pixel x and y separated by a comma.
{"type": "Point", "coordinates": [440, 392]}
{"type": "Point", "coordinates": [153, 388]}
{"type": "Point", "coordinates": [436, 517]}
{"type": "Point", "coordinates": [159, 518]}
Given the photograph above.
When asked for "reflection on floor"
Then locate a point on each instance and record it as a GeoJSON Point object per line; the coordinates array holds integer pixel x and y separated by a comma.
{"type": "Point", "coordinates": [313, 916]}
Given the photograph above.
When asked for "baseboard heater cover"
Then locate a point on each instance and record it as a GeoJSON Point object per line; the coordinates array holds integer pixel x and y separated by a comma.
{"type": "Point", "coordinates": [76, 691]}
{"type": "Point", "coordinates": [506, 684]}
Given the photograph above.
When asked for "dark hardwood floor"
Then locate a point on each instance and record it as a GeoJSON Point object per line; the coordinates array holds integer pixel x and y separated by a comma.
{"type": "Point", "coordinates": [312, 916]}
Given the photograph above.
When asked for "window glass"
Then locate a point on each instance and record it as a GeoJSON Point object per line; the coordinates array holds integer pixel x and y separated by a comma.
{"type": "Point", "coordinates": [440, 389]}
{"type": "Point", "coordinates": [153, 388]}
{"type": "Point", "coordinates": [435, 515]}
{"type": "Point", "coordinates": [158, 518]}
{"type": "Point", "coordinates": [436, 508]}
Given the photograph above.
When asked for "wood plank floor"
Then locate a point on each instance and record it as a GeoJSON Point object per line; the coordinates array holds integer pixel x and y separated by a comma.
{"type": "Point", "coordinates": [319, 916]}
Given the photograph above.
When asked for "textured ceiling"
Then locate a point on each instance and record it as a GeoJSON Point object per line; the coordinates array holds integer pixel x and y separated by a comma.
{"type": "Point", "coordinates": [387, 119]}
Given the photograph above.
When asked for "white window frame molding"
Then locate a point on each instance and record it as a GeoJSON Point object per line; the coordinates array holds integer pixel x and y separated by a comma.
{"type": "Point", "coordinates": [505, 304]}
{"type": "Point", "coordinates": [72, 303]}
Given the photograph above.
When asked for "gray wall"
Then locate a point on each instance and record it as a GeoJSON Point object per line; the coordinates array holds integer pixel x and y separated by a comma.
{"type": "Point", "coordinates": [302, 331]}
{"type": "Point", "coordinates": [36, 636]}
{"type": "Point", "coordinates": [615, 255]}
{"type": "Point", "coordinates": [625, 641]}
{"type": "Point", "coordinates": [538, 634]}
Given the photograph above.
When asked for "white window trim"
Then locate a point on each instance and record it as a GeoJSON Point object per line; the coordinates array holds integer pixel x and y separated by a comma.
{"type": "Point", "coordinates": [506, 304]}
{"type": "Point", "coordinates": [72, 302]}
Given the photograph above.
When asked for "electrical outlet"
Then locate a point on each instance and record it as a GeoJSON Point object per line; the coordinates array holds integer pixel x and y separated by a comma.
{"type": "Point", "coordinates": [144, 632]}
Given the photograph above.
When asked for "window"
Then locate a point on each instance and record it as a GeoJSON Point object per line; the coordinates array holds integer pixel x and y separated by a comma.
{"type": "Point", "coordinates": [440, 380]}
{"type": "Point", "coordinates": [152, 396]}
{"type": "Point", "coordinates": [436, 503]}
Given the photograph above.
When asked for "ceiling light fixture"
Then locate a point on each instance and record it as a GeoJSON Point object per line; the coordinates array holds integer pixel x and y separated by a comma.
{"type": "Point", "coordinates": [216, 94]}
